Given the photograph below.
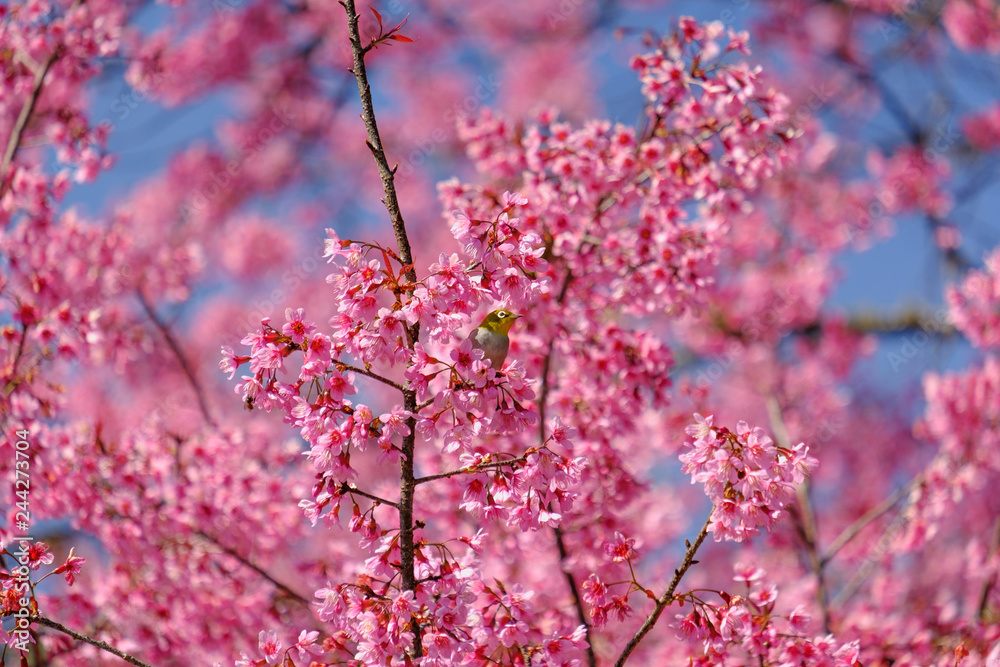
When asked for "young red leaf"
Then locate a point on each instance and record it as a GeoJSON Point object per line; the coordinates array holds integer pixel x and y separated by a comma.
{"type": "Point", "coordinates": [378, 17]}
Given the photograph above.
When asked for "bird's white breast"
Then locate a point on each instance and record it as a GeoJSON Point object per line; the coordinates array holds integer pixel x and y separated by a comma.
{"type": "Point", "coordinates": [493, 345]}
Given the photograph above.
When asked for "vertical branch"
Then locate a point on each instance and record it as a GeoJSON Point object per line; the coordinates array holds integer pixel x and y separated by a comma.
{"type": "Point", "coordinates": [574, 590]}
{"type": "Point", "coordinates": [806, 518]}
{"type": "Point", "coordinates": [391, 201]}
{"type": "Point", "coordinates": [387, 173]}
{"type": "Point", "coordinates": [543, 398]}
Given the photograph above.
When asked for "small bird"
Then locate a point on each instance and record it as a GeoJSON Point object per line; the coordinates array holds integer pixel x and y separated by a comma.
{"type": "Point", "coordinates": [491, 336]}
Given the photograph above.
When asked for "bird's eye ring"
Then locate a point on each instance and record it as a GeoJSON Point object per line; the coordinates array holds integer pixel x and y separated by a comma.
{"type": "Point", "coordinates": [502, 314]}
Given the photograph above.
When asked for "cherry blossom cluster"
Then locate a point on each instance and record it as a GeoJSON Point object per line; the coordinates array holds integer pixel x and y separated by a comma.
{"type": "Point", "coordinates": [464, 619]}
{"type": "Point", "coordinates": [983, 129]}
{"type": "Point", "coordinates": [911, 179]}
{"type": "Point", "coordinates": [64, 45]}
{"type": "Point", "coordinates": [597, 593]}
{"type": "Point", "coordinates": [274, 652]}
{"type": "Point", "coordinates": [29, 558]}
{"type": "Point", "coordinates": [974, 306]}
{"type": "Point", "coordinates": [465, 405]}
{"type": "Point", "coordinates": [973, 24]}
{"type": "Point", "coordinates": [963, 410]}
{"type": "Point", "coordinates": [960, 412]}
{"type": "Point", "coordinates": [55, 268]}
{"type": "Point", "coordinates": [750, 625]}
{"type": "Point", "coordinates": [748, 478]}
{"type": "Point", "coordinates": [735, 112]}
{"type": "Point", "coordinates": [600, 225]}
{"type": "Point", "coordinates": [378, 311]}
{"type": "Point", "coordinates": [621, 242]}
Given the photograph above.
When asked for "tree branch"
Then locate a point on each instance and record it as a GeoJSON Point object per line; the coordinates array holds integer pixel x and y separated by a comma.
{"type": "Point", "coordinates": [479, 467]}
{"type": "Point", "coordinates": [104, 646]}
{"type": "Point", "coordinates": [543, 399]}
{"type": "Point", "coordinates": [181, 360]}
{"type": "Point", "coordinates": [806, 523]}
{"type": "Point", "coordinates": [574, 590]}
{"type": "Point", "coordinates": [387, 173]}
{"type": "Point", "coordinates": [277, 584]}
{"type": "Point", "coordinates": [345, 488]}
{"type": "Point", "coordinates": [391, 201]}
{"type": "Point", "coordinates": [374, 376]}
{"type": "Point", "coordinates": [668, 595]}
{"type": "Point", "coordinates": [874, 513]}
{"type": "Point", "coordinates": [17, 132]}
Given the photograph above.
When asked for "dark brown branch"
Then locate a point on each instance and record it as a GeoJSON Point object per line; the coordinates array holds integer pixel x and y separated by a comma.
{"type": "Point", "coordinates": [543, 393]}
{"type": "Point", "coordinates": [14, 382]}
{"type": "Point", "coordinates": [347, 489]}
{"type": "Point", "coordinates": [387, 173]}
{"type": "Point", "coordinates": [391, 201]}
{"type": "Point", "coordinates": [479, 467]}
{"type": "Point", "coordinates": [17, 132]}
{"type": "Point", "coordinates": [543, 399]}
{"type": "Point", "coordinates": [805, 526]}
{"type": "Point", "coordinates": [908, 320]}
{"type": "Point", "coordinates": [574, 590]}
{"type": "Point", "coordinates": [277, 584]}
{"type": "Point", "coordinates": [668, 595]}
{"type": "Point", "coordinates": [181, 360]}
{"type": "Point", "coordinates": [374, 376]}
{"type": "Point", "coordinates": [104, 646]}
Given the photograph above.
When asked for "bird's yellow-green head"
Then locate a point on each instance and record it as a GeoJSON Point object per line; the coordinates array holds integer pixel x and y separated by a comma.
{"type": "Point", "coordinates": [499, 321]}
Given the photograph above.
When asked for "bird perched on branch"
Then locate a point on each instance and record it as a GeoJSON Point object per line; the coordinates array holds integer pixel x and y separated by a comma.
{"type": "Point", "coordinates": [491, 336]}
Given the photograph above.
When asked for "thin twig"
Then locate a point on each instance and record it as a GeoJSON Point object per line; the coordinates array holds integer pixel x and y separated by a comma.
{"type": "Point", "coordinates": [574, 590]}
{"type": "Point", "coordinates": [543, 393]}
{"type": "Point", "coordinates": [104, 646]}
{"type": "Point", "coordinates": [13, 383]}
{"type": "Point", "coordinates": [668, 595]}
{"type": "Point", "coordinates": [181, 360]}
{"type": "Point", "coordinates": [543, 398]}
{"type": "Point", "coordinates": [479, 467]}
{"type": "Point", "coordinates": [374, 376]}
{"type": "Point", "coordinates": [345, 489]}
{"type": "Point", "coordinates": [387, 173]}
{"type": "Point", "coordinates": [852, 586]}
{"type": "Point", "coordinates": [874, 513]}
{"type": "Point", "coordinates": [277, 584]}
{"type": "Point", "coordinates": [17, 132]}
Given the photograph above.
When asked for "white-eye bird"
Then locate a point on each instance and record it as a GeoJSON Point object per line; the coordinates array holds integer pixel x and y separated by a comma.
{"type": "Point", "coordinates": [491, 336]}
